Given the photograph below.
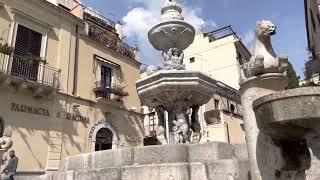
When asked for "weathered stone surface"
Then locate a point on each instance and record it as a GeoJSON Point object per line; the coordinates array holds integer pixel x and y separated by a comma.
{"type": "Point", "coordinates": [172, 171]}
{"type": "Point", "coordinates": [98, 174]}
{"type": "Point", "coordinates": [208, 152]}
{"type": "Point", "coordinates": [112, 158]}
{"type": "Point", "coordinates": [226, 169]}
{"type": "Point", "coordinates": [198, 171]}
{"type": "Point", "coordinates": [207, 161]}
{"type": "Point", "coordinates": [78, 162]}
{"type": "Point", "coordinates": [161, 154]}
{"type": "Point", "coordinates": [240, 151]}
{"type": "Point", "coordinates": [289, 114]}
{"type": "Point", "coordinates": [171, 86]}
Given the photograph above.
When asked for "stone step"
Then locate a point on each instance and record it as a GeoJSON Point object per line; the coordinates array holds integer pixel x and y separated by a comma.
{"type": "Point", "coordinates": [150, 155]}
{"type": "Point", "coordinates": [224, 169]}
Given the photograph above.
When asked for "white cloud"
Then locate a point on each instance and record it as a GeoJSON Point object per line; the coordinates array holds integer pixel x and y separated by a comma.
{"type": "Point", "coordinates": [141, 19]}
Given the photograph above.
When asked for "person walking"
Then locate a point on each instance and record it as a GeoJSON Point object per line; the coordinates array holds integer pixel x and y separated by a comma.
{"type": "Point", "coordinates": [11, 168]}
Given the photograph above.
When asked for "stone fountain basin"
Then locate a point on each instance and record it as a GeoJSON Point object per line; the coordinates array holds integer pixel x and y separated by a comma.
{"type": "Point", "coordinates": [171, 34]}
{"type": "Point", "coordinates": [168, 87]}
{"type": "Point", "coordinates": [291, 114]}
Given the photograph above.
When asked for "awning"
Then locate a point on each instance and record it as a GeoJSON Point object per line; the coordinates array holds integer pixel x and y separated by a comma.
{"type": "Point", "coordinates": [106, 61]}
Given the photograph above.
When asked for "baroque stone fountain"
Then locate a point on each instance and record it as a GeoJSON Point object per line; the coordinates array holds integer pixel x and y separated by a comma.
{"type": "Point", "coordinates": [175, 93]}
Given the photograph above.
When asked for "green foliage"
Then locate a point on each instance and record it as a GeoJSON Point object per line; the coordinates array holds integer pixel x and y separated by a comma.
{"type": "Point", "coordinates": [5, 49]}
{"type": "Point", "coordinates": [311, 67]}
{"type": "Point", "coordinates": [293, 80]}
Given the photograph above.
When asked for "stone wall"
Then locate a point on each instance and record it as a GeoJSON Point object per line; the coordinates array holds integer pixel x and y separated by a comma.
{"type": "Point", "coordinates": [210, 161]}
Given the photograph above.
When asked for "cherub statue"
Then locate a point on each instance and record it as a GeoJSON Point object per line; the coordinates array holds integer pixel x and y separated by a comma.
{"type": "Point", "coordinates": [178, 138]}
{"type": "Point", "coordinates": [5, 140]}
{"type": "Point", "coordinates": [182, 125]}
{"type": "Point", "coordinates": [173, 59]}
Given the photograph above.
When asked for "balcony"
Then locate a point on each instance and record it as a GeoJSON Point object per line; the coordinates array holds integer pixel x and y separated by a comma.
{"type": "Point", "coordinates": [102, 30]}
{"type": "Point", "coordinates": [212, 117]}
{"type": "Point", "coordinates": [109, 92]}
{"type": "Point", "coordinates": [29, 72]}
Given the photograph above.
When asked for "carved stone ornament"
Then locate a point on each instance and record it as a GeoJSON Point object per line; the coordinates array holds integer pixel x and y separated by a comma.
{"type": "Point", "coordinates": [171, 35]}
{"type": "Point", "coordinates": [5, 140]}
{"type": "Point", "coordinates": [264, 59]}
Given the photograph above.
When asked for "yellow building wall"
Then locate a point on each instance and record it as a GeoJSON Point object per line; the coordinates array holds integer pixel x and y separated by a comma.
{"type": "Point", "coordinates": [89, 70]}
{"type": "Point", "coordinates": [218, 59]}
{"type": "Point", "coordinates": [41, 142]}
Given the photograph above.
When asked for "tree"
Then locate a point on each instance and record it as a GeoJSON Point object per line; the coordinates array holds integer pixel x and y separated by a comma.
{"type": "Point", "coordinates": [293, 80]}
{"type": "Point", "coordinates": [311, 67]}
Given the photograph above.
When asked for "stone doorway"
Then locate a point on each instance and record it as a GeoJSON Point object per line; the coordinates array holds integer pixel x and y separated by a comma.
{"type": "Point", "coordinates": [104, 139]}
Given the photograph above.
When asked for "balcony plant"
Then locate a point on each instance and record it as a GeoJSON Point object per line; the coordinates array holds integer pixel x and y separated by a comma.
{"type": "Point", "coordinates": [5, 49]}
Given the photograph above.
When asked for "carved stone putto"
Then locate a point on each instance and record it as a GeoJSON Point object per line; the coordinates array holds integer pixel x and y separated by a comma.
{"type": "Point", "coordinates": [172, 35]}
{"type": "Point", "coordinates": [264, 59]}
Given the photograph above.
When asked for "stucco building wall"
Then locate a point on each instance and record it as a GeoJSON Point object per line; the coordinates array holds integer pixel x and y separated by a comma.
{"type": "Point", "coordinates": [42, 141]}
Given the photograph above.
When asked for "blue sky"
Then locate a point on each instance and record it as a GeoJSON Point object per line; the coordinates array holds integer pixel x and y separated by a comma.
{"type": "Point", "coordinates": [139, 15]}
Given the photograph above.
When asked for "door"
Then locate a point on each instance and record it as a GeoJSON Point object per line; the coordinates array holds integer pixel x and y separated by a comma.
{"type": "Point", "coordinates": [106, 79]}
{"type": "Point", "coordinates": [28, 43]}
{"type": "Point", "coordinates": [104, 139]}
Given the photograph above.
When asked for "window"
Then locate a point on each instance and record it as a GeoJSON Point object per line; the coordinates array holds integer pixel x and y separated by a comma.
{"type": "Point", "coordinates": [103, 139]}
{"type": "Point", "coordinates": [192, 60]}
{"type": "Point", "coordinates": [232, 109]}
{"type": "Point", "coordinates": [212, 117]}
{"type": "Point", "coordinates": [106, 76]}
{"type": "Point", "coordinates": [216, 104]}
{"type": "Point", "coordinates": [28, 42]}
{"type": "Point", "coordinates": [152, 124]}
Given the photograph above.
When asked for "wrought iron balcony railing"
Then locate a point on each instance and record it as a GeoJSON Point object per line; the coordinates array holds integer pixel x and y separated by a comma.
{"type": "Point", "coordinates": [102, 30]}
{"type": "Point", "coordinates": [212, 117]}
{"type": "Point", "coordinates": [94, 17]}
{"type": "Point", "coordinates": [110, 40]}
{"type": "Point", "coordinates": [30, 68]}
{"type": "Point", "coordinates": [109, 91]}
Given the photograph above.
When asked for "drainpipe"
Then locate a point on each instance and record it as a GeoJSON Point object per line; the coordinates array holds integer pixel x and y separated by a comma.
{"type": "Point", "coordinates": [75, 75]}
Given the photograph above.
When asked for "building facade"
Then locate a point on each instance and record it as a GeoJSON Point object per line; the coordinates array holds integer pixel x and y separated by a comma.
{"type": "Point", "coordinates": [219, 55]}
{"type": "Point", "coordinates": [313, 27]}
{"type": "Point", "coordinates": [67, 83]}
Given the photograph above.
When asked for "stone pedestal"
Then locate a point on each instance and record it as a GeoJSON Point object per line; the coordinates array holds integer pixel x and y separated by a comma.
{"type": "Point", "coordinates": [210, 161]}
{"type": "Point", "coordinates": [252, 89]}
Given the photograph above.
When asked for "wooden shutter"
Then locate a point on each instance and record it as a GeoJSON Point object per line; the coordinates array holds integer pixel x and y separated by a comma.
{"type": "Point", "coordinates": [27, 42]}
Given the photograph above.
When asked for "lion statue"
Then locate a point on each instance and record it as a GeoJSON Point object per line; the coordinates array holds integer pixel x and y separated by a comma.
{"type": "Point", "coordinates": [264, 59]}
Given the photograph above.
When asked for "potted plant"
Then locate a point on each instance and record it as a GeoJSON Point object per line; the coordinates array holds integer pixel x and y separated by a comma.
{"type": "Point", "coordinates": [5, 49]}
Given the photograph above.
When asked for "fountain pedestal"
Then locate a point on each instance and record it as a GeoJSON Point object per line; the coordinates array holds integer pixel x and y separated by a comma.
{"type": "Point", "coordinates": [180, 93]}
{"type": "Point", "coordinates": [250, 90]}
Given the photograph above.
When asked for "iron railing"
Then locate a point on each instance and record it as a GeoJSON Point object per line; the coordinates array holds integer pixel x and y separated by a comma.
{"type": "Point", "coordinates": [102, 30]}
{"type": "Point", "coordinates": [220, 33]}
{"type": "Point", "coordinates": [110, 40]}
{"type": "Point", "coordinates": [30, 69]}
{"type": "Point", "coordinates": [109, 91]}
{"type": "Point", "coordinates": [212, 117]}
{"type": "Point", "coordinates": [93, 16]}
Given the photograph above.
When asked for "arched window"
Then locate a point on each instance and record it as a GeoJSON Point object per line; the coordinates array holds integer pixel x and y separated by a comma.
{"type": "Point", "coordinates": [104, 139]}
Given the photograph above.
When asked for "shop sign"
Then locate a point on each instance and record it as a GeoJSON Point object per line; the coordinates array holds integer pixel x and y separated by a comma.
{"type": "Point", "coordinates": [95, 126]}
{"type": "Point", "coordinates": [29, 109]}
{"type": "Point", "coordinates": [76, 117]}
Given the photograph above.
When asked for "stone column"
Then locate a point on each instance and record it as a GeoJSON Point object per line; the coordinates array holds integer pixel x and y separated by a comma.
{"type": "Point", "coordinates": [250, 90]}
